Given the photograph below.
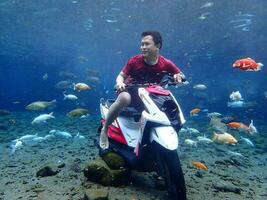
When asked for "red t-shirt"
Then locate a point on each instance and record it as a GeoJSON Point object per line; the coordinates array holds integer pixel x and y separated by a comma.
{"type": "Point", "coordinates": [138, 70]}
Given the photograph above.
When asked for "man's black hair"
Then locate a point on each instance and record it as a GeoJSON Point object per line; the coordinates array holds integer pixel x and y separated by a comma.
{"type": "Point", "coordinates": [155, 35]}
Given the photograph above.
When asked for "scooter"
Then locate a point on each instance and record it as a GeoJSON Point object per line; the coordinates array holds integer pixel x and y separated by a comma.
{"type": "Point", "coordinates": [148, 140]}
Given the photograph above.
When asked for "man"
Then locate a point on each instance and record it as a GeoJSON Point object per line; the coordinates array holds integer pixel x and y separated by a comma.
{"type": "Point", "coordinates": [147, 67]}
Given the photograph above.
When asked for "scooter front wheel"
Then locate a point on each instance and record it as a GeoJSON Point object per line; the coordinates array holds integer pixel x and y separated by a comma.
{"type": "Point", "coordinates": [173, 175]}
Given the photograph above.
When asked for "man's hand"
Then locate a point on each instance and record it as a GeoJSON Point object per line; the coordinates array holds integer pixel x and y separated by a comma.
{"type": "Point", "coordinates": [120, 86]}
{"type": "Point", "coordinates": [178, 78]}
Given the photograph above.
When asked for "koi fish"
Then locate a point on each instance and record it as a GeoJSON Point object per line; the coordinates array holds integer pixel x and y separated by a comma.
{"type": "Point", "coordinates": [224, 138]}
{"type": "Point", "coordinates": [194, 112]}
{"type": "Point", "coordinates": [236, 96]}
{"type": "Point", "coordinates": [199, 165]}
{"type": "Point", "coordinates": [190, 142]}
{"type": "Point", "coordinates": [252, 129]}
{"type": "Point", "coordinates": [247, 141]}
{"type": "Point", "coordinates": [247, 64]}
{"type": "Point", "coordinates": [81, 86]}
{"type": "Point", "coordinates": [238, 125]}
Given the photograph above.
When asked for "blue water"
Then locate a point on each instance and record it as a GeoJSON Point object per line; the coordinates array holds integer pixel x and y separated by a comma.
{"type": "Point", "coordinates": [203, 38]}
{"type": "Point", "coordinates": [91, 40]}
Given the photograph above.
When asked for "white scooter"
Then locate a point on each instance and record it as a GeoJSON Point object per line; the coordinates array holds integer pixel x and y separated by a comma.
{"type": "Point", "coordinates": [148, 140]}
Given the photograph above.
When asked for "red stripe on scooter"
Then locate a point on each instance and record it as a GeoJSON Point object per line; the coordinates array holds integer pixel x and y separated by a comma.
{"type": "Point", "coordinates": [116, 134]}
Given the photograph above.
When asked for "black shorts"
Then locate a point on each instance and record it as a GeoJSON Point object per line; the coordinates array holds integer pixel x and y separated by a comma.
{"type": "Point", "coordinates": [136, 102]}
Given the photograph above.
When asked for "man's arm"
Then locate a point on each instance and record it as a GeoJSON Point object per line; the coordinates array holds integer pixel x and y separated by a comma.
{"type": "Point", "coordinates": [120, 85]}
{"type": "Point", "coordinates": [179, 77]}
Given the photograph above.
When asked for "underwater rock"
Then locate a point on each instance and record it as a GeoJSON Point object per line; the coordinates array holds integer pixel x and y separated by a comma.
{"type": "Point", "coordinates": [98, 171]}
{"type": "Point", "coordinates": [46, 171]}
{"type": "Point", "coordinates": [4, 112]}
{"type": "Point", "coordinates": [114, 161]}
{"type": "Point", "coordinates": [91, 194]}
{"type": "Point", "coordinates": [226, 187]}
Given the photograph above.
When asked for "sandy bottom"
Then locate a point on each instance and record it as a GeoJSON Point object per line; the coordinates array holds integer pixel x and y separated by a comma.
{"type": "Point", "coordinates": [18, 171]}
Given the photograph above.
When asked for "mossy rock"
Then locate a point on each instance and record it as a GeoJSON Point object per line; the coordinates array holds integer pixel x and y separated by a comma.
{"type": "Point", "coordinates": [46, 171]}
{"type": "Point", "coordinates": [114, 161]}
{"type": "Point", "coordinates": [98, 171]}
{"type": "Point", "coordinates": [120, 177]}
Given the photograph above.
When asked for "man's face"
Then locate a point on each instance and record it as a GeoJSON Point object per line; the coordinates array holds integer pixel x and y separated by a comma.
{"type": "Point", "coordinates": [148, 46]}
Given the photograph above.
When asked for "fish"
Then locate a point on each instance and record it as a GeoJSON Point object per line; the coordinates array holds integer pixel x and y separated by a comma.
{"type": "Point", "coordinates": [236, 104]}
{"type": "Point", "coordinates": [93, 79]}
{"type": "Point", "coordinates": [247, 141]}
{"type": "Point", "coordinates": [190, 142]}
{"type": "Point", "coordinates": [217, 124]}
{"type": "Point", "coordinates": [81, 86]}
{"type": "Point", "coordinates": [194, 112]}
{"type": "Point", "coordinates": [235, 153]}
{"type": "Point", "coordinates": [78, 112]}
{"type": "Point", "coordinates": [83, 59]}
{"type": "Point", "coordinates": [252, 129]}
{"type": "Point", "coordinates": [111, 20]}
{"type": "Point", "coordinates": [45, 76]}
{"type": "Point", "coordinates": [192, 131]}
{"type": "Point", "coordinates": [247, 64]}
{"type": "Point", "coordinates": [63, 85]}
{"type": "Point", "coordinates": [200, 87]}
{"type": "Point", "coordinates": [42, 118]}
{"type": "Point", "coordinates": [30, 139]}
{"type": "Point", "coordinates": [238, 125]}
{"type": "Point", "coordinates": [204, 139]}
{"type": "Point", "coordinates": [183, 131]}
{"type": "Point", "coordinates": [17, 145]}
{"type": "Point", "coordinates": [49, 136]}
{"type": "Point", "coordinates": [207, 5]}
{"type": "Point", "coordinates": [40, 105]}
{"type": "Point", "coordinates": [70, 97]}
{"type": "Point", "coordinates": [62, 134]}
{"type": "Point", "coordinates": [225, 138]}
{"type": "Point", "coordinates": [228, 119]}
{"type": "Point", "coordinates": [203, 16]}
{"type": "Point", "coordinates": [27, 137]}
{"type": "Point", "coordinates": [67, 75]}
{"type": "Point", "coordinates": [4, 112]}
{"type": "Point", "coordinates": [214, 114]}
{"type": "Point", "coordinates": [79, 137]}
{"type": "Point", "coordinates": [236, 96]}
{"type": "Point", "coordinates": [200, 165]}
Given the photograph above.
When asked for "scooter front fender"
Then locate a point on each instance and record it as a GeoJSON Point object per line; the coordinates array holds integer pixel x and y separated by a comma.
{"type": "Point", "coordinates": [166, 136]}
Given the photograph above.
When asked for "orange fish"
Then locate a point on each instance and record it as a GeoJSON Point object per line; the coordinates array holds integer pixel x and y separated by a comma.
{"type": "Point", "coordinates": [238, 125]}
{"type": "Point", "coordinates": [199, 165]}
{"type": "Point", "coordinates": [81, 86]}
{"type": "Point", "coordinates": [225, 138]}
{"type": "Point", "coordinates": [194, 111]}
{"type": "Point", "coordinates": [247, 64]}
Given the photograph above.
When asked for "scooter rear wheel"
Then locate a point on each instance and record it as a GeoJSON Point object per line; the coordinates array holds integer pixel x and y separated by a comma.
{"type": "Point", "coordinates": [173, 175]}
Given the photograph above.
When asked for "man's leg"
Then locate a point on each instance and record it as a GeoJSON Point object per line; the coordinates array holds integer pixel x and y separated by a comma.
{"type": "Point", "coordinates": [123, 100]}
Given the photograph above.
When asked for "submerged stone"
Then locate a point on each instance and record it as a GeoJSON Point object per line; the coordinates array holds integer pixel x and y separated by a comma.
{"type": "Point", "coordinates": [96, 194]}
{"type": "Point", "coordinates": [46, 171]}
{"type": "Point", "coordinates": [114, 161]}
{"type": "Point", "coordinates": [98, 171]}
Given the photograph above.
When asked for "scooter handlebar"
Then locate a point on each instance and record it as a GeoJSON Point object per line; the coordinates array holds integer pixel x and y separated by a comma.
{"type": "Point", "coordinates": [168, 81]}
